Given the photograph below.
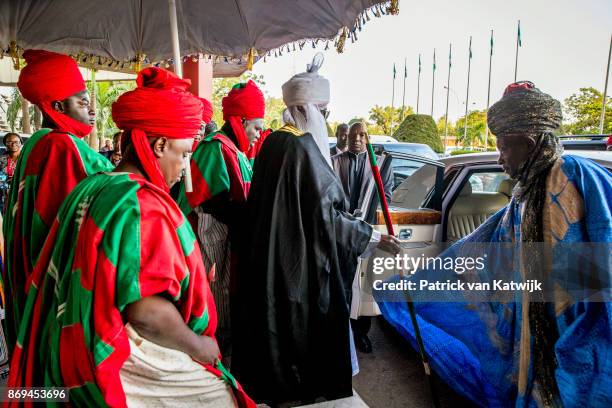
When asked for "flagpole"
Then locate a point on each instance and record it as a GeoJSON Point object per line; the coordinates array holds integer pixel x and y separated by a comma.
{"type": "Point", "coordinates": [605, 92]}
{"type": "Point", "coordinates": [418, 86]}
{"type": "Point", "coordinates": [392, 102]}
{"type": "Point", "coordinates": [518, 43]}
{"type": "Point", "coordinates": [467, 93]}
{"type": "Point", "coordinates": [433, 82]}
{"type": "Point", "coordinates": [404, 92]}
{"type": "Point", "coordinates": [489, 93]}
{"type": "Point", "coordinates": [450, 50]}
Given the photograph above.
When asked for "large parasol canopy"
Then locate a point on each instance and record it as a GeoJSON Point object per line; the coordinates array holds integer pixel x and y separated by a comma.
{"type": "Point", "coordinates": [124, 35]}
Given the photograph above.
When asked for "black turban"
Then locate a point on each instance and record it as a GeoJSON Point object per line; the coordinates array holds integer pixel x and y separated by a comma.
{"type": "Point", "coordinates": [524, 109]}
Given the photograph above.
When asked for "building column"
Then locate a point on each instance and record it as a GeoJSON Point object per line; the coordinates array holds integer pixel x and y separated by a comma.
{"type": "Point", "coordinates": [200, 73]}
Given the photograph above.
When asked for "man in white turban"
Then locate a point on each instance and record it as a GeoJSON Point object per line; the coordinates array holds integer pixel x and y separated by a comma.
{"type": "Point", "coordinates": [293, 288]}
{"type": "Point", "coordinates": [306, 95]}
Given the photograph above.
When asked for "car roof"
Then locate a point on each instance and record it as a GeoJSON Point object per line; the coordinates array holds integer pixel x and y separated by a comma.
{"type": "Point", "coordinates": [382, 139]}
{"type": "Point", "coordinates": [402, 144]}
{"type": "Point", "coordinates": [600, 156]}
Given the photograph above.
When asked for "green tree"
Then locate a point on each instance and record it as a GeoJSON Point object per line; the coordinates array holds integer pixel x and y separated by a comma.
{"type": "Point", "coordinates": [274, 112]}
{"type": "Point", "coordinates": [382, 116]}
{"type": "Point", "coordinates": [583, 111]}
{"type": "Point", "coordinates": [440, 126]}
{"type": "Point", "coordinates": [476, 129]}
{"type": "Point", "coordinates": [419, 129]}
{"type": "Point", "coordinates": [12, 110]}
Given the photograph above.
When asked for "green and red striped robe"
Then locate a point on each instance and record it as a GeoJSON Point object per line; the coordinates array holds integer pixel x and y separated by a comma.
{"type": "Point", "coordinates": [50, 165]}
{"type": "Point", "coordinates": [217, 166]}
{"type": "Point", "coordinates": [117, 239]}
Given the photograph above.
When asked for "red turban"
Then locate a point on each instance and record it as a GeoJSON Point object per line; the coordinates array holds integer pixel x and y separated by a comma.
{"type": "Point", "coordinates": [244, 101]}
{"type": "Point", "coordinates": [208, 110]}
{"type": "Point", "coordinates": [50, 77]}
{"type": "Point", "coordinates": [160, 106]}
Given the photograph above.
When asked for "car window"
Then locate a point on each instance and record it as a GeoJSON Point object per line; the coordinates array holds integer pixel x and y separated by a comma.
{"type": "Point", "coordinates": [487, 182]}
{"type": "Point", "coordinates": [402, 168]}
{"type": "Point", "coordinates": [415, 179]}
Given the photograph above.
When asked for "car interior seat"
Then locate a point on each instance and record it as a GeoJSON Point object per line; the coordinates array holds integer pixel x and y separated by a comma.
{"type": "Point", "coordinates": [471, 209]}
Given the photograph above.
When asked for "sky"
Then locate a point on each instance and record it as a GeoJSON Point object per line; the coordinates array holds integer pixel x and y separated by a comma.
{"type": "Point", "coordinates": [564, 47]}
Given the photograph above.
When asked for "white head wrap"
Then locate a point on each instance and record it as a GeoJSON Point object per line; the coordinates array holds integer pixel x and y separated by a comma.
{"type": "Point", "coordinates": [310, 91]}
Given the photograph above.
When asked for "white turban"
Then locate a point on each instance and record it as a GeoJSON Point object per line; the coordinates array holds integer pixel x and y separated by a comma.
{"type": "Point", "coordinates": [307, 88]}
{"type": "Point", "coordinates": [310, 91]}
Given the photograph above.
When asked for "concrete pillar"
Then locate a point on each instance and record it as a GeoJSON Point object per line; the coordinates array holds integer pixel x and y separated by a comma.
{"type": "Point", "coordinates": [200, 73]}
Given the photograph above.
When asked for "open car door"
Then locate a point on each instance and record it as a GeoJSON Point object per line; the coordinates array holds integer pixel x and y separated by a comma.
{"type": "Point", "coordinates": [416, 216]}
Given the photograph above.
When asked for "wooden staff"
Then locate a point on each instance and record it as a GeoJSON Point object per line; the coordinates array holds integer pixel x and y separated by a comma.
{"type": "Point", "coordinates": [389, 224]}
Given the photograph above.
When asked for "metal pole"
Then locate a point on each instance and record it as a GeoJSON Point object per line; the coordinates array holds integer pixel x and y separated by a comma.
{"type": "Point", "coordinates": [418, 86]}
{"type": "Point", "coordinates": [450, 49]}
{"type": "Point", "coordinates": [392, 102]}
{"type": "Point", "coordinates": [517, 48]}
{"type": "Point", "coordinates": [93, 136]}
{"type": "Point", "coordinates": [176, 49]}
{"type": "Point", "coordinates": [489, 93]}
{"type": "Point", "coordinates": [467, 94]}
{"type": "Point", "coordinates": [404, 91]}
{"type": "Point", "coordinates": [433, 83]}
{"type": "Point", "coordinates": [605, 92]}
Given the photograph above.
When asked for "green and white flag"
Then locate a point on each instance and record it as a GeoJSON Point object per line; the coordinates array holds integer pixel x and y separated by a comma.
{"type": "Point", "coordinates": [434, 60]}
{"type": "Point", "coordinates": [520, 43]}
{"type": "Point", "coordinates": [405, 69]}
{"type": "Point", "coordinates": [491, 42]}
{"type": "Point", "coordinates": [394, 72]}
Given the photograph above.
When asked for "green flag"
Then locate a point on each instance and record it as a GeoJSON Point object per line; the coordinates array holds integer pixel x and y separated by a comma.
{"type": "Point", "coordinates": [434, 60]}
{"type": "Point", "coordinates": [520, 43]}
{"type": "Point", "coordinates": [491, 42]}
{"type": "Point", "coordinates": [470, 47]}
{"type": "Point", "coordinates": [394, 70]}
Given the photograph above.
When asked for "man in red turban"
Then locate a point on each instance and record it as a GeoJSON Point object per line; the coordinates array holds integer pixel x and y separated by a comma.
{"type": "Point", "coordinates": [53, 161]}
{"type": "Point", "coordinates": [221, 179]}
{"type": "Point", "coordinates": [136, 327]}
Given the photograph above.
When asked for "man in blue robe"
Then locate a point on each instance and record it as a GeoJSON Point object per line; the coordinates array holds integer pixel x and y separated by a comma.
{"type": "Point", "coordinates": [530, 351]}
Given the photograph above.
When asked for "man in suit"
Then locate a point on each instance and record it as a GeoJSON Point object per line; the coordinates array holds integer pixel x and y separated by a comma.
{"type": "Point", "coordinates": [355, 174]}
{"type": "Point", "coordinates": [342, 131]}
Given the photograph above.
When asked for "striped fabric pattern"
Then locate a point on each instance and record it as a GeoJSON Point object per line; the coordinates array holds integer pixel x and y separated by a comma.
{"type": "Point", "coordinates": [215, 246]}
{"type": "Point", "coordinates": [117, 239]}
{"type": "Point", "coordinates": [50, 165]}
{"type": "Point", "coordinates": [217, 166]}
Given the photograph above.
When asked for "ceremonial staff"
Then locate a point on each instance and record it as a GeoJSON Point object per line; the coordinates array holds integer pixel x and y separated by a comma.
{"type": "Point", "coordinates": [389, 224]}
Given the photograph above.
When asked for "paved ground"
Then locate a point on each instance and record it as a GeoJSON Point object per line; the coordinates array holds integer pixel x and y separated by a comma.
{"type": "Point", "coordinates": [392, 376]}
